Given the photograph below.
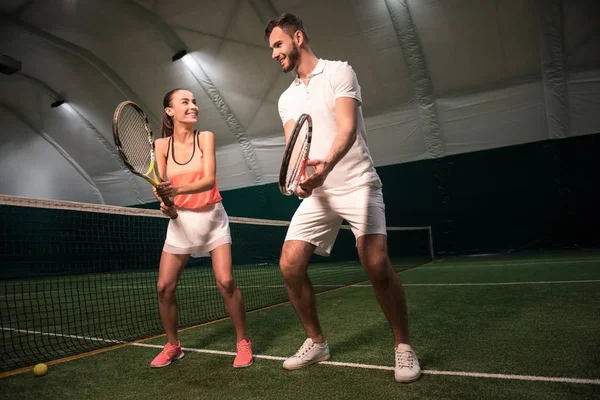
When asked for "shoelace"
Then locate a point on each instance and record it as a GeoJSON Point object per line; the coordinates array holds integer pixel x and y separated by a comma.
{"type": "Point", "coordinates": [243, 348]}
{"type": "Point", "coordinates": [404, 359]}
{"type": "Point", "coordinates": [304, 349]}
{"type": "Point", "coordinates": [168, 349]}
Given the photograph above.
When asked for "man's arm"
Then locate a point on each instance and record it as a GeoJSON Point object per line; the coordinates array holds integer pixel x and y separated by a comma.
{"type": "Point", "coordinates": [347, 101]}
{"type": "Point", "coordinates": [286, 118]}
{"type": "Point", "coordinates": [288, 128]}
{"type": "Point", "coordinates": [346, 109]}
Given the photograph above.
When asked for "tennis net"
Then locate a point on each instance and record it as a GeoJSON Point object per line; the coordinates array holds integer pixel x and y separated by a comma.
{"type": "Point", "coordinates": [77, 277]}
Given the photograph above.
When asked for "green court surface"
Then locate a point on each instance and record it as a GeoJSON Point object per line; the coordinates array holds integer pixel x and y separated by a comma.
{"type": "Point", "coordinates": [60, 316]}
{"type": "Point", "coordinates": [484, 327]}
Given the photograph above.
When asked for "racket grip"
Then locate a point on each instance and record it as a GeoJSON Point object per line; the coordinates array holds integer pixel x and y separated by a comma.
{"type": "Point", "coordinates": [169, 203]}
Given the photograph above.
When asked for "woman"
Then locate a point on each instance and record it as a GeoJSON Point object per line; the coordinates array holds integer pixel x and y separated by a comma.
{"type": "Point", "coordinates": [202, 226]}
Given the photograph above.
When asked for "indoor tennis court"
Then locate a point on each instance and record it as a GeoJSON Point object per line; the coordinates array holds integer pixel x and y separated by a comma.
{"type": "Point", "coordinates": [489, 327]}
{"type": "Point", "coordinates": [475, 122]}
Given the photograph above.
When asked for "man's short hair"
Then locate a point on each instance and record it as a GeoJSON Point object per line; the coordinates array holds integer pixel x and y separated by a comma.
{"type": "Point", "coordinates": [289, 23]}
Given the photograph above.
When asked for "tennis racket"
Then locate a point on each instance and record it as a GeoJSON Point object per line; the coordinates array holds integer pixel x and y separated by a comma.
{"type": "Point", "coordinates": [135, 143]}
{"type": "Point", "coordinates": [293, 163]}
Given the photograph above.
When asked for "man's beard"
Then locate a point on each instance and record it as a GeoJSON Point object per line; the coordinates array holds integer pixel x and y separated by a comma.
{"type": "Point", "coordinates": [293, 58]}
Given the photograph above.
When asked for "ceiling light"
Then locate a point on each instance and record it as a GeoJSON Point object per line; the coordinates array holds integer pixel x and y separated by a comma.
{"type": "Point", "coordinates": [179, 55]}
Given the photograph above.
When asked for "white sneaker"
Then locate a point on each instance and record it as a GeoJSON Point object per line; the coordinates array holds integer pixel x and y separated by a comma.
{"type": "Point", "coordinates": [407, 367]}
{"type": "Point", "coordinates": [309, 353]}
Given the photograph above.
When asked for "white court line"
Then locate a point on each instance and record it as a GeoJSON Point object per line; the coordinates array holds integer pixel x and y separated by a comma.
{"type": "Point", "coordinates": [488, 283]}
{"type": "Point", "coordinates": [215, 287]}
{"type": "Point", "coordinates": [152, 287]}
{"type": "Point", "coordinates": [412, 284]}
{"type": "Point", "coordinates": [61, 335]}
{"type": "Point", "coordinates": [30, 293]}
{"type": "Point", "coordinates": [381, 367]}
{"type": "Point", "coordinates": [474, 264]}
{"type": "Point", "coordinates": [278, 286]}
{"type": "Point", "coordinates": [74, 292]}
{"type": "Point", "coordinates": [337, 364]}
{"type": "Point", "coordinates": [473, 260]}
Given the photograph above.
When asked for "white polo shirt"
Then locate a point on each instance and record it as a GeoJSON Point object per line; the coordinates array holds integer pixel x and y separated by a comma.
{"type": "Point", "coordinates": [329, 81]}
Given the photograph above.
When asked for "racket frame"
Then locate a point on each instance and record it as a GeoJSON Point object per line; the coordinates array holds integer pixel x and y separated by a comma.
{"type": "Point", "coordinates": [153, 169]}
{"type": "Point", "coordinates": [285, 187]}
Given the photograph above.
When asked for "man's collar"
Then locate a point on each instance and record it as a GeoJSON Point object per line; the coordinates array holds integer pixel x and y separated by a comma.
{"type": "Point", "coordinates": [318, 70]}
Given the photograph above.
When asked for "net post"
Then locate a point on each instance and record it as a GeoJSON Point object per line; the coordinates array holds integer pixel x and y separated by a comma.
{"type": "Point", "coordinates": [430, 233]}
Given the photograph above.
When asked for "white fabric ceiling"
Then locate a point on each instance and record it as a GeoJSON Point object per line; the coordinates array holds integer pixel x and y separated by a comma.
{"type": "Point", "coordinates": [437, 77]}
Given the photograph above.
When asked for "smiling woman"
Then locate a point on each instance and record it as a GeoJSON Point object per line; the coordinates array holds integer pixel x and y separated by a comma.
{"type": "Point", "coordinates": [187, 156]}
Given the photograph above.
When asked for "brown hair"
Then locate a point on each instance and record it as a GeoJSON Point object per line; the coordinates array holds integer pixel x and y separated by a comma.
{"type": "Point", "coordinates": [289, 23]}
{"type": "Point", "coordinates": [167, 122]}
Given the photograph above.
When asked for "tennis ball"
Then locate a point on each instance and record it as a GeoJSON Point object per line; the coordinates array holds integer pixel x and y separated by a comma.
{"type": "Point", "coordinates": [40, 370]}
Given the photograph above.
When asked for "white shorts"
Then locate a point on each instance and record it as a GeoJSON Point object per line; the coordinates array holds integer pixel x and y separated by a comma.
{"type": "Point", "coordinates": [318, 218]}
{"type": "Point", "coordinates": [198, 232]}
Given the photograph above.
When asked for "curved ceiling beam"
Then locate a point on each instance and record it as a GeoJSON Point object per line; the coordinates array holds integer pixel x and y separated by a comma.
{"type": "Point", "coordinates": [212, 35]}
{"type": "Point", "coordinates": [264, 9]}
{"type": "Point", "coordinates": [107, 146]}
{"type": "Point", "coordinates": [58, 148]}
{"type": "Point", "coordinates": [22, 8]}
{"type": "Point", "coordinates": [410, 45]}
{"type": "Point", "coordinates": [554, 77]}
{"type": "Point", "coordinates": [219, 37]}
{"type": "Point", "coordinates": [195, 68]}
{"type": "Point", "coordinates": [230, 19]}
{"type": "Point", "coordinates": [85, 55]}
{"type": "Point", "coordinates": [590, 37]}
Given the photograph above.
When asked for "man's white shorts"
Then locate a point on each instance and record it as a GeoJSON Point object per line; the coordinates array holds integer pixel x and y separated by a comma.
{"type": "Point", "coordinates": [318, 218]}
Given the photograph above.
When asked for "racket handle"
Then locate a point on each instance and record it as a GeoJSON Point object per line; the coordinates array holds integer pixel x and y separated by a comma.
{"type": "Point", "coordinates": [169, 203]}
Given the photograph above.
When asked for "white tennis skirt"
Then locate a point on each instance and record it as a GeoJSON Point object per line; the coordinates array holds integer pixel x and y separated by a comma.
{"type": "Point", "coordinates": [198, 232]}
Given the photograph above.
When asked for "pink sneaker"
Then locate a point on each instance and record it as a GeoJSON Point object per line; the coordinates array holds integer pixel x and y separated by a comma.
{"type": "Point", "coordinates": [168, 354]}
{"type": "Point", "coordinates": [244, 354]}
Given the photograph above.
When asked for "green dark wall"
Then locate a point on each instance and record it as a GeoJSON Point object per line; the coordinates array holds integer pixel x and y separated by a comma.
{"type": "Point", "coordinates": [541, 195]}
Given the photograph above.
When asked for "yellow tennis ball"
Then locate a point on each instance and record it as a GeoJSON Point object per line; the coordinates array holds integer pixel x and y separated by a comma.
{"type": "Point", "coordinates": [40, 370]}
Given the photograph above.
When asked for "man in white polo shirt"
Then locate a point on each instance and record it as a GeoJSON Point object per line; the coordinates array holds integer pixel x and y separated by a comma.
{"type": "Point", "coordinates": [344, 185]}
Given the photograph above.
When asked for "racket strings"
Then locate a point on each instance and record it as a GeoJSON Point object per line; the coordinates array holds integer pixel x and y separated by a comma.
{"type": "Point", "coordinates": [295, 169]}
{"type": "Point", "coordinates": [135, 141]}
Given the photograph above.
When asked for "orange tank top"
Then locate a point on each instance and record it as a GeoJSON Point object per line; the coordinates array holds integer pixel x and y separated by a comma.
{"type": "Point", "coordinates": [188, 172]}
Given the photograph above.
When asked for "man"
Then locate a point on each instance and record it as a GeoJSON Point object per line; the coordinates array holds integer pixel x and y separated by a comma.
{"type": "Point", "coordinates": [344, 185]}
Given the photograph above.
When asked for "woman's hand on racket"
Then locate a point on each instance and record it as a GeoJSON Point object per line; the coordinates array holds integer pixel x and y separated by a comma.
{"type": "Point", "coordinates": [322, 168]}
{"type": "Point", "coordinates": [169, 211]}
{"type": "Point", "coordinates": [166, 190]}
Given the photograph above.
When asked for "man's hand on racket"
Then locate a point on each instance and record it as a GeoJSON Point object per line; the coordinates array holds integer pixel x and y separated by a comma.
{"type": "Point", "coordinates": [322, 168]}
{"type": "Point", "coordinates": [300, 192]}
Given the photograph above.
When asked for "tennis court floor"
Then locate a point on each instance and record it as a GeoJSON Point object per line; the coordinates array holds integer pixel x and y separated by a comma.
{"type": "Point", "coordinates": [483, 327]}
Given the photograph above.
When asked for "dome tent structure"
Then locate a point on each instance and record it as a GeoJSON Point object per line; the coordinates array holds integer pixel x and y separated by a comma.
{"type": "Point", "coordinates": [438, 78]}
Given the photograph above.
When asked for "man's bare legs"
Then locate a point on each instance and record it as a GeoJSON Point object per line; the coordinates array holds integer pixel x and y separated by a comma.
{"type": "Point", "coordinates": [295, 256]}
{"type": "Point", "coordinates": [373, 253]}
